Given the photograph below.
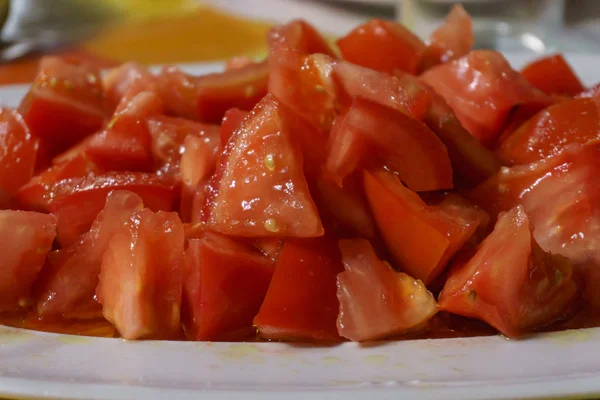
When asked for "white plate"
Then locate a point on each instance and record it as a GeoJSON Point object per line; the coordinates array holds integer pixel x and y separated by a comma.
{"type": "Point", "coordinates": [43, 365]}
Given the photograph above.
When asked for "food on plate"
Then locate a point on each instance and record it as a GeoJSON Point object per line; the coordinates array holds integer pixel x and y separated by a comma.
{"type": "Point", "coordinates": [380, 187]}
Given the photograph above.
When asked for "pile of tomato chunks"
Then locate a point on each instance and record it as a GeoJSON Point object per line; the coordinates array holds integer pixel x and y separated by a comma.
{"type": "Point", "coordinates": [319, 195]}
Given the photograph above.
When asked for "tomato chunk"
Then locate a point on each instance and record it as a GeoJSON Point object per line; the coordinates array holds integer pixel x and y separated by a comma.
{"type": "Point", "coordinates": [300, 36]}
{"type": "Point", "coordinates": [140, 282]}
{"type": "Point", "coordinates": [383, 46]}
{"type": "Point", "coordinates": [177, 90]}
{"type": "Point", "coordinates": [128, 79]}
{"type": "Point", "coordinates": [64, 105]}
{"type": "Point", "coordinates": [301, 302]}
{"type": "Point", "coordinates": [259, 188]}
{"type": "Point", "coordinates": [18, 150]}
{"type": "Point", "coordinates": [511, 283]}
{"type": "Point", "coordinates": [68, 287]}
{"type": "Point", "coordinates": [551, 130]}
{"type": "Point", "coordinates": [593, 91]}
{"type": "Point", "coordinates": [231, 121]}
{"type": "Point", "coordinates": [482, 89]}
{"type": "Point", "coordinates": [26, 239]}
{"type": "Point", "coordinates": [225, 284]}
{"type": "Point", "coordinates": [375, 301]}
{"type": "Point", "coordinates": [553, 75]}
{"type": "Point", "coordinates": [396, 141]}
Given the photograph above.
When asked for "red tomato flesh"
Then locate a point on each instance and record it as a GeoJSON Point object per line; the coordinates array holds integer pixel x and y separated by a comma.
{"type": "Point", "coordinates": [553, 75]}
{"type": "Point", "coordinates": [128, 79]}
{"type": "Point", "coordinates": [18, 150]}
{"type": "Point", "coordinates": [231, 121]}
{"type": "Point", "coordinates": [299, 35]}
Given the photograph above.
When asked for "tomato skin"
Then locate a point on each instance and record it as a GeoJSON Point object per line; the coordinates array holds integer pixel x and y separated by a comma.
{"type": "Point", "coordinates": [299, 35]}
{"type": "Point", "coordinates": [76, 202]}
{"type": "Point", "coordinates": [128, 79]}
{"type": "Point", "coordinates": [399, 142]}
{"type": "Point", "coordinates": [18, 150]}
{"type": "Point", "coordinates": [551, 130]}
{"type": "Point", "coordinates": [225, 283]}
{"type": "Point", "coordinates": [26, 239]}
{"type": "Point", "coordinates": [259, 188]}
{"type": "Point", "coordinates": [64, 105]}
{"type": "Point", "coordinates": [301, 302]}
{"type": "Point", "coordinates": [140, 282]}
{"type": "Point", "coordinates": [375, 301]}
{"type": "Point", "coordinates": [231, 121]}
{"type": "Point", "coordinates": [511, 283]}
{"type": "Point", "coordinates": [67, 285]}
{"type": "Point", "coordinates": [451, 40]}
{"type": "Point", "coordinates": [383, 46]}
{"type": "Point", "coordinates": [482, 88]}
{"type": "Point", "coordinates": [553, 75]}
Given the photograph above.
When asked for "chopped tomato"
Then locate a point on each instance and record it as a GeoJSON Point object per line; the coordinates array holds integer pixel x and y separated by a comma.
{"type": "Point", "coordinates": [140, 282]}
{"type": "Point", "coordinates": [451, 40]}
{"type": "Point", "coordinates": [301, 302]}
{"type": "Point", "coordinates": [374, 134]}
{"type": "Point", "coordinates": [198, 214]}
{"type": "Point", "coordinates": [225, 283]}
{"type": "Point", "coordinates": [553, 75]}
{"type": "Point", "coordinates": [402, 94]}
{"type": "Point", "coordinates": [177, 90]}
{"type": "Point", "coordinates": [67, 288]}
{"type": "Point", "coordinates": [511, 283]}
{"type": "Point", "coordinates": [18, 151]}
{"type": "Point", "coordinates": [240, 88]}
{"type": "Point", "coordinates": [594, 91]}
{"type": "Point", "coordinates": [304, 83]}
{"type": "Point", "coordinates": [482, 89]}
{"type": "Point", "coordinates": [377, 302]}
{"type": "Point", "coordinates": [128, 79]}
{"type": "Point", "coordinates": [64, 105]}
{"type": "Point", "coordinates": [26, 239]}
{"type": "Point", "coordinates": [231, 121]}
{"type": "Point", "coordinates": [300, 36]}
{"type": "Point", "coordinates": [421, 238]}
{"type": "Point", "coordinates": [76, 202]}
{"type": "Point", "coordinates": [259, 188]}
{"type": "Point", "coordinates": [551, 130]}
{"type": "Point", "coordinates": [238, 62]}
{"type": "Point", "coordinates": [270, 247]}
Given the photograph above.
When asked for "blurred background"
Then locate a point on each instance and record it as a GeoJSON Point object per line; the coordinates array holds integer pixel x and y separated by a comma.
{"type": "Point", "coordinates": [108, 32]}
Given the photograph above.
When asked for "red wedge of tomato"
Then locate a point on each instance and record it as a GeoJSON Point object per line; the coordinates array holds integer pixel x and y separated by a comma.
{"type": "Point", "coordinates": [374, 134]}
{"type": "Point", "coordinates": [421, 238]}
{"type": "Point", "coordinates": [551, 130]}
{"type": "Point", "coordinates": [26, 239]}
{"type": "Point", "coordinates": [451, 40]}
{"type": "Point", "coordinates": [301, 302]}
{"type": "Point", "coordinates": [259, 188]}
{"type": "Point", "coordinates": [377, 302]}
{"type": "Point", "coordinates": [510, 283]}
{"type": "Point", "coordinates": [553, 75]}
{"type": "Point", "coordinates": [76, 202]}
{"type": "Point", "coordinates": [231, 121]}
{"type": "Point", "coordinates": [482, 89]}
{"type": "Point", "coordinates": [65, 104]}
{"type": "Point", "coordinates": [300, 36]}
{"type": "Point", "coordinates": [225, 283]}
{"type": "Point", "coordinates": [67, 286]}
{"type": "Point", "coordinates": [177, 90]}
{"type": "Point", "coordinates": [140, 282]}
{"type": "Point", "coordinates": [383, 46]}
{"type": "Point", "coordinates": [127, 79]}
{"type": "Point", "coordinates": [18, 150]}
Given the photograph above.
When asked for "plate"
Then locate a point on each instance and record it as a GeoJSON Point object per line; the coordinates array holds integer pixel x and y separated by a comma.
{"type": "Point", "coordinates": [52, 366]}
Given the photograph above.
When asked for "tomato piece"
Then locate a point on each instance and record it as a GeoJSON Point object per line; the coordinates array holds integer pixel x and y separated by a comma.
{"type": "Point", "coordinates": [237, 88]}
{"type": "Point", "coordinates": [451, 40]}
{"type": "Point", "coordinates": [551, 130]}
{"type": "Point", "coordinates": [225, 284]}
{"type": "Point", "coordinates": [300, 36]}
{"type": "Point", "coordinates": [18, 150]}
{"type": "Point", "coordinates": [140, 283]}
{"type": "Point", "coordinates": [402, 94]}
{"type": "Point", "coordinates": [26, 239]}
{"type": "Point", "coordinates": [270, 247]}
{"type": "Point", "coordinates": [76, 202]}
{"type": "Point", "coordinates": [594, 91]}
{"type": "Point", "coordinates": [231, 121]}
{"type": "Point", "coordinates": [511, 283]}
{"type": "Point", "coordinates": [238, 62]}
{"type": "Point", "coordinates": [68, 287]}
{"type": "Point", "coordinates": [377, 302]}
{"type": "Point", "coordinates": [382, 46]}
{"type": "Point", "coordinates": [64, 104]}
{"type": "Point", "coordinates": [420, 238]}
{"type": "Point", "coordinates": [259, 188]}
{"type": "Point", "coordinates": [395, 140]}
{"type": "Point", "coordinates": [128, 79]}
{"type": "Point", "coordinates": [304, 83]}
{"type": "Point", "coordinates": [301, 303]}
{"type": "Point", "coordinates": [178, 92]}
{"type": "Point", "coordinates": [553, 75]}
{"type": "Point", "coordinates": [482, 89]}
